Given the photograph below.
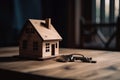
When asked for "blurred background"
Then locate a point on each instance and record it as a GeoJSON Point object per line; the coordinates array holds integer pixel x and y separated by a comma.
{"type": "Point", "coordinates": [92, 24]}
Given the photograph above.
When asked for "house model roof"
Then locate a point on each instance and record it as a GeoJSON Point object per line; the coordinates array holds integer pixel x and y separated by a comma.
{"type": "Point", "coordinates": [45, 29]}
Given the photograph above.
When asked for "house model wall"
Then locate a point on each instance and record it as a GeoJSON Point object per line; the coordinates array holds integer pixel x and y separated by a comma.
{"type": "Point", "coordinates": [39, 39]}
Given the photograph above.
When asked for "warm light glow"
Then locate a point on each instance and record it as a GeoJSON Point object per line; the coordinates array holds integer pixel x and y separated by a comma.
{"type": "Point", "coordinates": [107, 3]}
{"type": "Point", "coordinates": [107, 6]}
{"type": "Point", "coordinates": [116, 8]}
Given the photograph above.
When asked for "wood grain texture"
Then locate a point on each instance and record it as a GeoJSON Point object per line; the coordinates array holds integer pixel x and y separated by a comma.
{"type": "Point", "coordinates": [45, 33]}
{"type": "Point", "coordinates": [106, 68]}
{"type": "Point", "coordinates": [34, 36]}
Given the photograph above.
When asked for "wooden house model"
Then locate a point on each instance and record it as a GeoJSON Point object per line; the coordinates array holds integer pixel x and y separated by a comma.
{"type": "Point", "coordinates": [39, 39]}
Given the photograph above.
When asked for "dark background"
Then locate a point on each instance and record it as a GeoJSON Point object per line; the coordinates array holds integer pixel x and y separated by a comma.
{"type": "Point", "coordinates": [65, 15]}
{"type": "Point", "coordinates": [14, 13]}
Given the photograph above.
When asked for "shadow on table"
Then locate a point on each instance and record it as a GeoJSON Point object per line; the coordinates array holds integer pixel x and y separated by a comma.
{"type": "Point", "coordinates": [15, 58]}
{"type": "Point", "coordinates": [13, 75]}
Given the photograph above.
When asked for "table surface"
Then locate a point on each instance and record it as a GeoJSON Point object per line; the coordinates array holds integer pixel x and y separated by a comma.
{"type": "Point", "coordinates": [106, 68]}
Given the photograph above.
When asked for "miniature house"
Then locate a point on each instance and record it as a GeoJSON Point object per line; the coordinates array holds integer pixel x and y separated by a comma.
{"type": "Point", "coordinates": [39, 39]}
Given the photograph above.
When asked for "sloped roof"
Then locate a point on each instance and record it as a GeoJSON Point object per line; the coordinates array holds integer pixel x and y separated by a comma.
{"type": "Point", "coordinates": [45, 33]}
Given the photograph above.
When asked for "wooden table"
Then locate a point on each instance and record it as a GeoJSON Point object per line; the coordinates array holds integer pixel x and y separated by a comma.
{"type": "Point", "coordinates": [106, 68]}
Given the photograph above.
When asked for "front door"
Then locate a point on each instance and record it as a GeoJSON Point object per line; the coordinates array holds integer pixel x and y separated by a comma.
{"type": "Point", "coordinates": [53, 49]}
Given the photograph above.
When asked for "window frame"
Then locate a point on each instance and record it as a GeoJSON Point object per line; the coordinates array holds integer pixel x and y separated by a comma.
{"type": "Point", "coordinates": [47, 47]}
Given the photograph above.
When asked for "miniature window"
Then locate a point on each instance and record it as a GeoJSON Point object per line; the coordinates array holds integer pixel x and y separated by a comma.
{"type": "Point", "coordinates": [56, 45]}
{"type": "Point", "coordinates": [35, 46]}
{"type": "Point", "coordinates": [24, 44]}
{"type": "Point", "coordinates": [47, 47]}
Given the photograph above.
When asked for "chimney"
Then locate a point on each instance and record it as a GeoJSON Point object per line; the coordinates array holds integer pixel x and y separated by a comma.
{"type": "Point", "coordinates": [48, 22]}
